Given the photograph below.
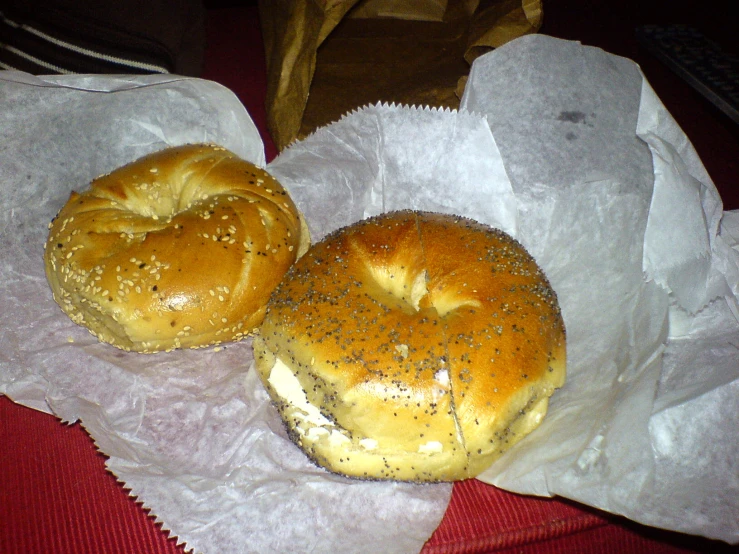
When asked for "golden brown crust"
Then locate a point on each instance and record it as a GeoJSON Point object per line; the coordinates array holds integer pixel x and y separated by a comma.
{"type": "Point", "coordinates": [180, 248]}
{"type": "Point", "coordinates": [435, 337]}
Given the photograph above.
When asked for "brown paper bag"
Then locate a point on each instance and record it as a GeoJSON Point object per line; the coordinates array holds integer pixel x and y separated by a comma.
{"type": "Point", "coordinates": [327, 57]}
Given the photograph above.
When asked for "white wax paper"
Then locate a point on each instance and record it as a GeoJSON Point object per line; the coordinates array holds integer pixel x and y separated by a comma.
{"type": "Point", "coordinates": [191, 433]}
{"type": "Point", "coordinates": [389, 157]}
{"type": "Point", "coordinates": [587, 169]}
{"type": "Point", "coordinates": [645, 427]}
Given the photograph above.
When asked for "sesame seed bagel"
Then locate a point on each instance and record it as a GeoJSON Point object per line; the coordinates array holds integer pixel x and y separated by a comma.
{"type": "Point", "coordinates": [178, 249]}
{"type": "Point", "coordinates": [412, 346]}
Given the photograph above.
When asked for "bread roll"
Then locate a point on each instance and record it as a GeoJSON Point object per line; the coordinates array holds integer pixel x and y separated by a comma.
{"type": "Point", "coordinates": [412, 346]}
{"type": "Point", "coordinates": [178, 249]}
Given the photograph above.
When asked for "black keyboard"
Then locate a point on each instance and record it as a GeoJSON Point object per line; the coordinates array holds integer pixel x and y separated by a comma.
{"type": "Point", "coordinates": [701, 62]}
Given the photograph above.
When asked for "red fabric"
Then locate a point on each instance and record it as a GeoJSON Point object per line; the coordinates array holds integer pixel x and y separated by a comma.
{"type": "Point", "coordinates": [57, 497]}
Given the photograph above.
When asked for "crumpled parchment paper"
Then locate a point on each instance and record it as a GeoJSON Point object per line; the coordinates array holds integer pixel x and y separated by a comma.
{"type": "Point", "coordinates": [587, 169]}
{"type": "Point", "coordinates": [634, 255]}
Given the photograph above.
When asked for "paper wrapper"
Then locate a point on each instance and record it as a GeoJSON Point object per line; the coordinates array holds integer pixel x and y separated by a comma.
{"type": "Point", "coordinates": [586, 168]}
{"type": "Point", "coordinates": [191, 433]}
{"type": "Point", "coordinates": [563, 146]}
{"type": "Point", "coordinates": [616, 206]}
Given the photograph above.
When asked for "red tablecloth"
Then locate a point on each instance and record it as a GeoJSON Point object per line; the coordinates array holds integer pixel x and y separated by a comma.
{"type": "Point", "coordinates": [56, 496]}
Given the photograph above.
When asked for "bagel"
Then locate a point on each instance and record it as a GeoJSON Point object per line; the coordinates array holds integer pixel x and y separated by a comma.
{"type": "Point", "coordinates": [178, 249]}
{"type": "Point", "coordinates": [412, 346]}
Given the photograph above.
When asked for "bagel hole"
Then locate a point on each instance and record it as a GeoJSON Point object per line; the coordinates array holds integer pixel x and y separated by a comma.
{"type": "Point", "coordinates": [399, 286]}
{"type": "Point", "coordinates": [164, 197]}
{"type": "Point", "coordinates": [396, 285]}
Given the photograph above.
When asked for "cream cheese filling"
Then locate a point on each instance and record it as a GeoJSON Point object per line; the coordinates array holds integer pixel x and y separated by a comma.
{"type": "Point", "coordinates": [316, 425]}
{"type": "Point", "coordinates": [431, 447]}
{"type": "Point", "coordinates": [286, 385]}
